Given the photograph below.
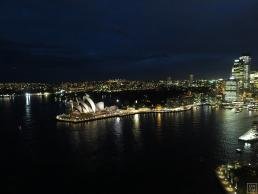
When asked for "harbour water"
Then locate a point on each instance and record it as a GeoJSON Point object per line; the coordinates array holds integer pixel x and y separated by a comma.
{"type": "Point", "coordinates": [142, 153]}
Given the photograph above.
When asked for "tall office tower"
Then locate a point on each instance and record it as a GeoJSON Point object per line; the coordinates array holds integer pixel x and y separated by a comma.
{"type": "Point", "coordinates": [169, 81]}
{"type": "Point", "coordinates": [240, 71]}
{"type": "Point", "coordinates": [231, 90]}
{"type": "Point", "coordinates": [191, 78]}
{"type": "Point", "coordinates": [254, 81]}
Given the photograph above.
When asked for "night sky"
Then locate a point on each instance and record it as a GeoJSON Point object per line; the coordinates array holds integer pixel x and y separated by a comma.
{"type": "Point", "coordinates": [55, 40]}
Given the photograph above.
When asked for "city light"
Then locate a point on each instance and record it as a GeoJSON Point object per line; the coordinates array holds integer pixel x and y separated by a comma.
{"type": "Point", "coordinates": [192, 95]}
{"type": "Point", "coordinates": [129, 97]}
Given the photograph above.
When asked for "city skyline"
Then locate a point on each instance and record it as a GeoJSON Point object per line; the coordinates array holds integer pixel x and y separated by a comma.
{"type": "Point", "coordinates": [137, 96]}
{"type": "Point", "coordinates": [230, 74]}
{"type": "Point", "coordinates": [87, 40]}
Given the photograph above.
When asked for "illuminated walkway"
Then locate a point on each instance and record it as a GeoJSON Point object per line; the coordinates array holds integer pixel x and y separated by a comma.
{"type": "Point", "coordinates": [118, 113]}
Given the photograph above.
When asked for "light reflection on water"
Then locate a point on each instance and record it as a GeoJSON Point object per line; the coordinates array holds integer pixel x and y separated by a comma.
{"type": "Point", "coordinates": [229, 126]}
{"type": "Point", "coordinates": [159, 121]}
{"type": "Point", "coordinates": [163, 140]}
{"type": "Point", "coordinates": [118, 127]}
{"type": "Point", "coordinates": [221, 128]}
{"type": "Point", "coordinates": [136, 130]}
{"type": "Point", "coordinates": [221, 134]}
{"type": "Point", "coordinates": [27, 96]}
{"type": "Point", "coordinates": [136, 120]}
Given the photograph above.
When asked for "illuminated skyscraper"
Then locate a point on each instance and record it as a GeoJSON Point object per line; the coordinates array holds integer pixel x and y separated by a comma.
{"type": "Point", "coordinates": [240, 71]}
{"type": "Point", "coordinates": [254, 81]}
{"type": "Point", "coordinates": [169, 81]}
{"type": "Point", "coordinates": [191, 77]}
{"type": "Point", "coordinates": [231, 90]}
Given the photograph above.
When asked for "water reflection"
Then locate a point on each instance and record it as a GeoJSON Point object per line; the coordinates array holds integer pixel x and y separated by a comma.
{"type": "Point", "coordinates": [229, 126]}
{"type": "Point", "coordinates": [108, 143]}
{"type": "Point", "coordinates": [76, 138]}
{"type": "Point", "coordinates": [92, 132]}
{"type": "Point", "coordinates": [97, 132]}
{"type": "Point", "coordinates": [28, 113]}
{"type": "Point", "coordinates": [159, 121]}
{"type": "Point", "coordinates": [118, 127]}
{"type": "Point", "coordinates": [214, 132]}
{"type": "Point", "coordinates": [136, 127]}
{"type": "Point", "coordinates": [27, 96]}
{"type": "Point", "coordinates": [118, 132]}
{"type": "Point", "coordinates": [136, 121]}
{"type": "Point", "coordinates": [247, 146]}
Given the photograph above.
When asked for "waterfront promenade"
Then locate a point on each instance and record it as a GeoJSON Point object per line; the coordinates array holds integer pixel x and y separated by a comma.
{"type": "Point", "coordinates": [118, 113]}
{"type": "Point", "coordinates": [235, 177]}
{"type": "Point", "coordinates": [222, 173]}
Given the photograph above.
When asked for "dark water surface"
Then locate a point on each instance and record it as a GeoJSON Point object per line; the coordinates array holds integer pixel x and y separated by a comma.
{"type": "Point", "coordinates": [148, 153]}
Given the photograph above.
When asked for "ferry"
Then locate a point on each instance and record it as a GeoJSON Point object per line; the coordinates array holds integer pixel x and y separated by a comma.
{"type": "Point", "coordinates": [251, 135]}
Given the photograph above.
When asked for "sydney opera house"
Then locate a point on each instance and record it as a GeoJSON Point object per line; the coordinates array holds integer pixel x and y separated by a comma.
{"type": "Point", "coordinates": [87, 106]}
{"type": "Point", "coordinates": [84, 109]}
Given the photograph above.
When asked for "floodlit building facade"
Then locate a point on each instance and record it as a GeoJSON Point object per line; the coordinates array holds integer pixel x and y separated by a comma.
{"type": "Point", "coordinates": [254, 81]}
{"type": "Point", "coordinates": [241, 71]}
{"type": "Point", "coordinates": [86, 105]}
{"type": "Point", "coordinates": [231, 90]}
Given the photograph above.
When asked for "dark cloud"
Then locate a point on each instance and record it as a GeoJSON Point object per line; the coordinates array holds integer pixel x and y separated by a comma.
{"type": "Point", "coordinates": [107, 38]}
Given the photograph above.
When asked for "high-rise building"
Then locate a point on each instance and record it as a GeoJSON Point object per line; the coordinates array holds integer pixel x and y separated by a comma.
{"type": "Point", "coordinates": [241, 70]}
{"type": "Point", "coordinates": [191, 78]}
{"type": "Point", "coordinates": [169, 81]}
{"type": "Point", "coordinates": [254, 81]}
{"type": "Point", "coordinates": [231, 90]}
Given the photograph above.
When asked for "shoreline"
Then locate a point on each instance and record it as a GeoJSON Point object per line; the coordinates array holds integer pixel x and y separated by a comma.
{"type": "Point", "coordinates": [120, 113]}
{"type": "Point", "coordinates": [223, 179]}
{"type": "Point", "coordinates": [233, 177]}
